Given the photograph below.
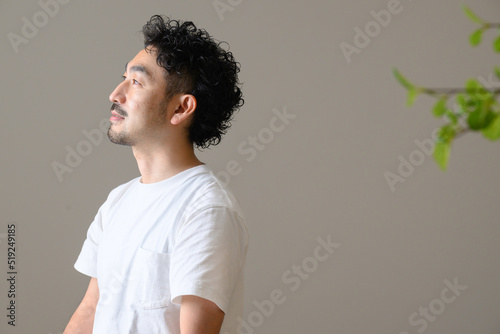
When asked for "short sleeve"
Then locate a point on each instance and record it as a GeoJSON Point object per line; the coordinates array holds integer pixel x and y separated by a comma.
{"type": "Point", "coordinates": [87, 260]}
{"type": "Point", "coordinates": [208, 256]}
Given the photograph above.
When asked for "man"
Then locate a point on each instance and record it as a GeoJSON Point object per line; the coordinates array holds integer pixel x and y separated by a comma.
{"type": "Point", "coordinates": [166, 250]}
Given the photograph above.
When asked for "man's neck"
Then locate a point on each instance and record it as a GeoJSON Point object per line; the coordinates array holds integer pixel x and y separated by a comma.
{"type": "Point", "coordinates": [159, 162]}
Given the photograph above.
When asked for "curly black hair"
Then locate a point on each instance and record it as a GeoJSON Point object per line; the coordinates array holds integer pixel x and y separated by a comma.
{"type": "Point", "coordinates": [197, 64]}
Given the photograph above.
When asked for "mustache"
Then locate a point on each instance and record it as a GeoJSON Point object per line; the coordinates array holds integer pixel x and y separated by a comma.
{"type": "Point", "coordinates": [116, 107]}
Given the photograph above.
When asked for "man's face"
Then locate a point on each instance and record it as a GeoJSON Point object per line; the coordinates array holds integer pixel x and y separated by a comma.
{"type": "Point", "coordinates": [139, 105]}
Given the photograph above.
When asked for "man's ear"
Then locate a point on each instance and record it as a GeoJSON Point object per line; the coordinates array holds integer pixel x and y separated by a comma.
{"type": "Point", "coordinates": [185, 109]}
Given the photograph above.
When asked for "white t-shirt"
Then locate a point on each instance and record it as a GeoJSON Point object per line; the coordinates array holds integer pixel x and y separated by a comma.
{"type": "Point", "coordinates": [150, 244]}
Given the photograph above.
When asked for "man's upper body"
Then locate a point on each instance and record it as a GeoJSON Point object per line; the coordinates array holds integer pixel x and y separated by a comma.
{"type": "Point", "coordinates": [152, 243]}
{"type": "Point", "coordinates": [166, 251]}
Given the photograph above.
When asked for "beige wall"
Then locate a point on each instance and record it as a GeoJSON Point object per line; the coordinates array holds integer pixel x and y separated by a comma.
{"type": "Point", "coordinates": [319, 174]}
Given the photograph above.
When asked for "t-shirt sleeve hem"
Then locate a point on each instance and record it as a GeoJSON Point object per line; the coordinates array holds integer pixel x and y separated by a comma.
{"type": "Point", "coordinates": [85, 269]}
{"type": "Point", "coordinates": [203, 292]}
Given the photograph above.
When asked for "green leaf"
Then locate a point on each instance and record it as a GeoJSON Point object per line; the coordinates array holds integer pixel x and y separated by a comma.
{"type": "Point", "coordinates": [472, 15]}
{"type": "Point", "coordinates": [461, 100]}
{"type": "Point", "coordinates": [442, 154]}
{"type": "Point", "coordinates": [496, 45]}
{"type": "Point", "coordinates": [468, 103]}
{"type": "Point", "coordinates": [476, 90]}
{"type": "Point", "coordinates": [475, 120]}
{"type": "Point", "coordinates": [475, 37]}
{"type": "Point", "coordinates": [446, 133]}
{"type": "Point", "coordinates": [490, 117]}
{"type": "Point", "coordinates": [443, 145]}
{"type": "Point", "coordinates": [481, 117]}
{"type": "Point", "coordinates": [452, 117]}
{"type": "Point", "coordinates": [440, 107]}
{"type": "Point", "coordinates": [492, 132]}
{"type": "Point", "coordinates": [412, 96]}
{"type": "Point", "coordinates": [402, 80]}
{"type": "Point", "coordinates": [497, 71]}
{"type": "Point", "coordinates": [472, 85]}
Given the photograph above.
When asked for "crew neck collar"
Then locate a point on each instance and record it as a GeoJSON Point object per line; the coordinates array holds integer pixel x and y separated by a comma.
{"type": "Point", "coordinates": [152, 188]}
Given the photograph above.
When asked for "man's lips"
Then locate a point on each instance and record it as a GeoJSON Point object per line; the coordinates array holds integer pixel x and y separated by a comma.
{"type": "Point", "coordinates": [115, 116]}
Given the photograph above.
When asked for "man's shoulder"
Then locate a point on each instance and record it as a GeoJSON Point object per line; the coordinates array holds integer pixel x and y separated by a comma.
{"type": "Point", "coordinates": [210, 192]}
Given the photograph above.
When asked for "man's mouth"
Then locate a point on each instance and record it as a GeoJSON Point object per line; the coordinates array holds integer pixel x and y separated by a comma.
{"type": "Point", "coordinates": [115, 115]}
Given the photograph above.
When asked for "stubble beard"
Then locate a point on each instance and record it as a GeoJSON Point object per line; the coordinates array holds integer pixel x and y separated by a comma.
{"type": "Point", "coordinates": [116, 137]}
{"type": "Point", "coordinates": [124, 138]}
{"type": "Point", "coordinates": [119, 138]}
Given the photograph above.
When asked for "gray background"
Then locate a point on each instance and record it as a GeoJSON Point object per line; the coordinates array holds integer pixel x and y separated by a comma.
{"type": "Point", "coordinates": [322, 175]}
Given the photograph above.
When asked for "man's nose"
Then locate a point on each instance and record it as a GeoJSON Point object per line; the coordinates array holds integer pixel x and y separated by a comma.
{"type": "Point", "coordinates": [118, 95]}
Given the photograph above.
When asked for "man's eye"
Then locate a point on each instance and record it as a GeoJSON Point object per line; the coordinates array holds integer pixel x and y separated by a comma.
{"type": "Point", "coordinates": [133, 80]}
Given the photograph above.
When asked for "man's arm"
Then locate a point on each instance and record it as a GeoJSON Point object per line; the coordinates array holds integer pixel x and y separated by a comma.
{"type": "Point", "coordinates": [82, 320]}
{"type": "Point", "coordinates": [200, 316]}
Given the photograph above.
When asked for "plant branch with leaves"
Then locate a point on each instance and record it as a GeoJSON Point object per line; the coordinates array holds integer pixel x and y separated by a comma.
{"type": "Point", "coordinates": [476, 108]}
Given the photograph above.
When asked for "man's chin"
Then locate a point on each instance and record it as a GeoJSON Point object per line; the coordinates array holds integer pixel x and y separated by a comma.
{"type": "Point", "coordinates": [119, 138]}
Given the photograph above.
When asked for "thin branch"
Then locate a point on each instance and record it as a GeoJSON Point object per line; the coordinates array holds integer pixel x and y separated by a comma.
{"type": "Point", "coordinates": [462, 132]}
{"type": "Point", "coordinates": [454, 91]}
{"type": "Point", "coordinates": [491, 25]}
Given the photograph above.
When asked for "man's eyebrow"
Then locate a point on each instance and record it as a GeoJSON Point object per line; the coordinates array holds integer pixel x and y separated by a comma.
{"type": "Point", "coordinates": [137, 68]}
